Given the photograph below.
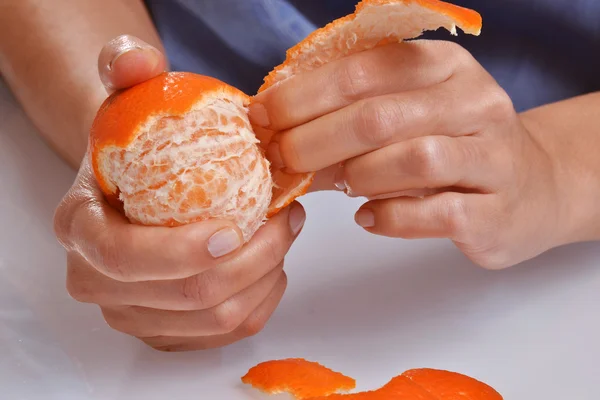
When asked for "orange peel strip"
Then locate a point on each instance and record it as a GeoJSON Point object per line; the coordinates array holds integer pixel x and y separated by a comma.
{"type": "Point", "coordinates": [425, 384]}
{"type": "Point", "coordinates": [301, 378]}
{"type": "Point", "coordinates": [448, 385]}
{"type": "Point", "coordinates": [373, 23]}
{"type": "Point", "coordinates": [312, 381]}
{"type": "Point", "coordinates": [399, 387]}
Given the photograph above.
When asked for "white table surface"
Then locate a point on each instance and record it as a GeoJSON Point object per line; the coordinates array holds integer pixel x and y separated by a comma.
{"type": "Point", "coordinates": [367, 306]}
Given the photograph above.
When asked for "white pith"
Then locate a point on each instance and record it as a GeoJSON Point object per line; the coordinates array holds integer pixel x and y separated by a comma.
{"type": "Point", "coordinates": [134, 170]}
{"type": "Point", "coordinates": [375, 22]}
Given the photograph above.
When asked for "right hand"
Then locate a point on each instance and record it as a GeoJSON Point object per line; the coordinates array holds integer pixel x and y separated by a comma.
{"type": "Point", "coordinates": [185, 288]}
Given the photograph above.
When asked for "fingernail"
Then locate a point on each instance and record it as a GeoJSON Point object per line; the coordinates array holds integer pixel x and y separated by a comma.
{"type": "Point", "coordinates": [223, 242]}
{"type": "Point", "coordinates": [148, 55]}
{"type": "Point", "coordinates": [152, 56]}
{"type": "Point", "coordinates": [257, 113]}
{"type": "Point", "coordinates": [338, 179]}
{"type": "Point", "coordinates": [296, 217]}
{"type": "Point", "coordinates": [125, 49]}
{"type": "Point", "coordinates": [274, 155]}
{"type": "Point", "coordinates": [365, 218]}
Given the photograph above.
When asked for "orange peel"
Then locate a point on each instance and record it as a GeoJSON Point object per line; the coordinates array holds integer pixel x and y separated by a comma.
{"type": "Point", "coordinates": [301, 378]}
{"type": "Point", "coordinates": [308, 380]}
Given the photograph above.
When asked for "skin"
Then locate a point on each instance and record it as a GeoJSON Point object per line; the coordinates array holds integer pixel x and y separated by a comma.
{"type": "Point", "coordinates": [433, 142]}
{"type": "Point", "coordinates": [163, 286]}
{"type": "Point", "coordinates": [411, 119]}
{"type": "Point", "coordinates": [61, 39]}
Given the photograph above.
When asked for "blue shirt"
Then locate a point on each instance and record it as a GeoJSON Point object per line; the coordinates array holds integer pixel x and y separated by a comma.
{"type": "Point", "coordinates": [539, 51]}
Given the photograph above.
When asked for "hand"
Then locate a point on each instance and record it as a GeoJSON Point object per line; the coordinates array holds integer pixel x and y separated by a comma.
{"type": "Point", "coordinates": [185, 288]}
{"type": "Point", "coordinates": [422, 118]}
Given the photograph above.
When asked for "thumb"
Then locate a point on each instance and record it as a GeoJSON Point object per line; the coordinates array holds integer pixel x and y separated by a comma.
{"type": "Point", "coordinates": [127, 60]}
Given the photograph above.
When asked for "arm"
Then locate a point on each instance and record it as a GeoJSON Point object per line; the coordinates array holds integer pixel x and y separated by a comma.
{"type": "Point", "coordinates": [48, 56]}
{"type": "Point", "coordinates": [569, 131]}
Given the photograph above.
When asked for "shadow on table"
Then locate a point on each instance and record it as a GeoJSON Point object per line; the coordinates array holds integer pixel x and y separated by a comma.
{"type": "Point", "coordinates": [423, 293]}
{"type": "Point", "coordinates": [433, 284]}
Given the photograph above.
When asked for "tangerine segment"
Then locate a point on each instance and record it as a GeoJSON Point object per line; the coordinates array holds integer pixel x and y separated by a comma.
{"type": "Point", "coordinates": [446, 385]}
{"type": "Point", "coordinates": [374, 22]}
{"type": "Point", "coordinates": [301, 378]}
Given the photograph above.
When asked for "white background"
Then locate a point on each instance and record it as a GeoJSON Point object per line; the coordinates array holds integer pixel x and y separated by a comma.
{"type": "Point", "coordinates": [369, 307]}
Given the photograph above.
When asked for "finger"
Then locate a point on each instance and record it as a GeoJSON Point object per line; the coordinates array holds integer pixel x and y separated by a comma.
{"type": "Point", "coordinates": [254, 324]}
{"type": "Point", "coordinates": [445, 215]}
{"type": "Point", "coordinates": [221, 319]}
{"type": "Point", "coordinates": [428, 162]}
{"type": "Point", "coordinates": [383, 70]}
{"type": "Point", "coordinates": [325, 180]}
{"type": "Point", "coordinates": [259, 257]}
{"type": "Point", "coordinates": [129, 252]}
{"type": "Point", "coordinates": [127, 60]}
{"type": "Point", "coordinates": [87, 224]}
{"type": "Point", "coordinates": [454, 108]}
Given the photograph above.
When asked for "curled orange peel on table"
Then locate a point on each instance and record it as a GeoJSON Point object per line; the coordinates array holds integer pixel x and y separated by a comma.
{"type": "Point", "coordinates": [308, 380]}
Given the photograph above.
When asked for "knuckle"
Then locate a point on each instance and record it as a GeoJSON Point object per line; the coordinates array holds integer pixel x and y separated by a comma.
{"type": "Point", "coordinates": [272, 251]}
{"type": "Point", "coordinates": [500, 106]}
{"type": "Point", "coordinates": [227, 316]}
{"type": "Point", "coordinates": [376, 121]}
{"type": "Point", "coordinates": [64, 217]}
{"type": "Point", "coordinates": [60, 225]}
{"type": "Point", "coordinates": [79, 290]}
{"type": "Point", "coordinates": [458, 53]}
{"type": "Point", "coordinates": [395, 220]}
{"type": "Point", "coordinates": [353, 78]}
{"type": "Point", "coordinates": [492, 259]}
{"type": "Point", "coordinates": [427, 157]}
{"type": "Point", "coordinates": [202, 290]}
{"type": "Point", "coordinates": [116, 321]}
{"type": "Point", "coordinates": [79, 284]}
{"type": "Point", "coordinates": [457, 216]}
{"type": "Point", "coordinates": [114, 261]}
{"type": "Point", "coordinates": [253, 326]}
{"type": "Point", "coordinates": [289, 152]}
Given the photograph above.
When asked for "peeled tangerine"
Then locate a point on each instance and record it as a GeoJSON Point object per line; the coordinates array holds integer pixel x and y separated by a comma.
{"type": "Point", "coordinates": [179, 148]}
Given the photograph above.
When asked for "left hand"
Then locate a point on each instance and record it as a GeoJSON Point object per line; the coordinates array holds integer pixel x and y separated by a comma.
{"type": "Point", "coordinates": [421, 118]}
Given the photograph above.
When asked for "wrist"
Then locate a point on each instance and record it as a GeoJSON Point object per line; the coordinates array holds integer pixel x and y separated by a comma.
{"type": "Point", "coordinates": [72, 141]}
{"type": "Point", "coordinates": [575, 172]}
